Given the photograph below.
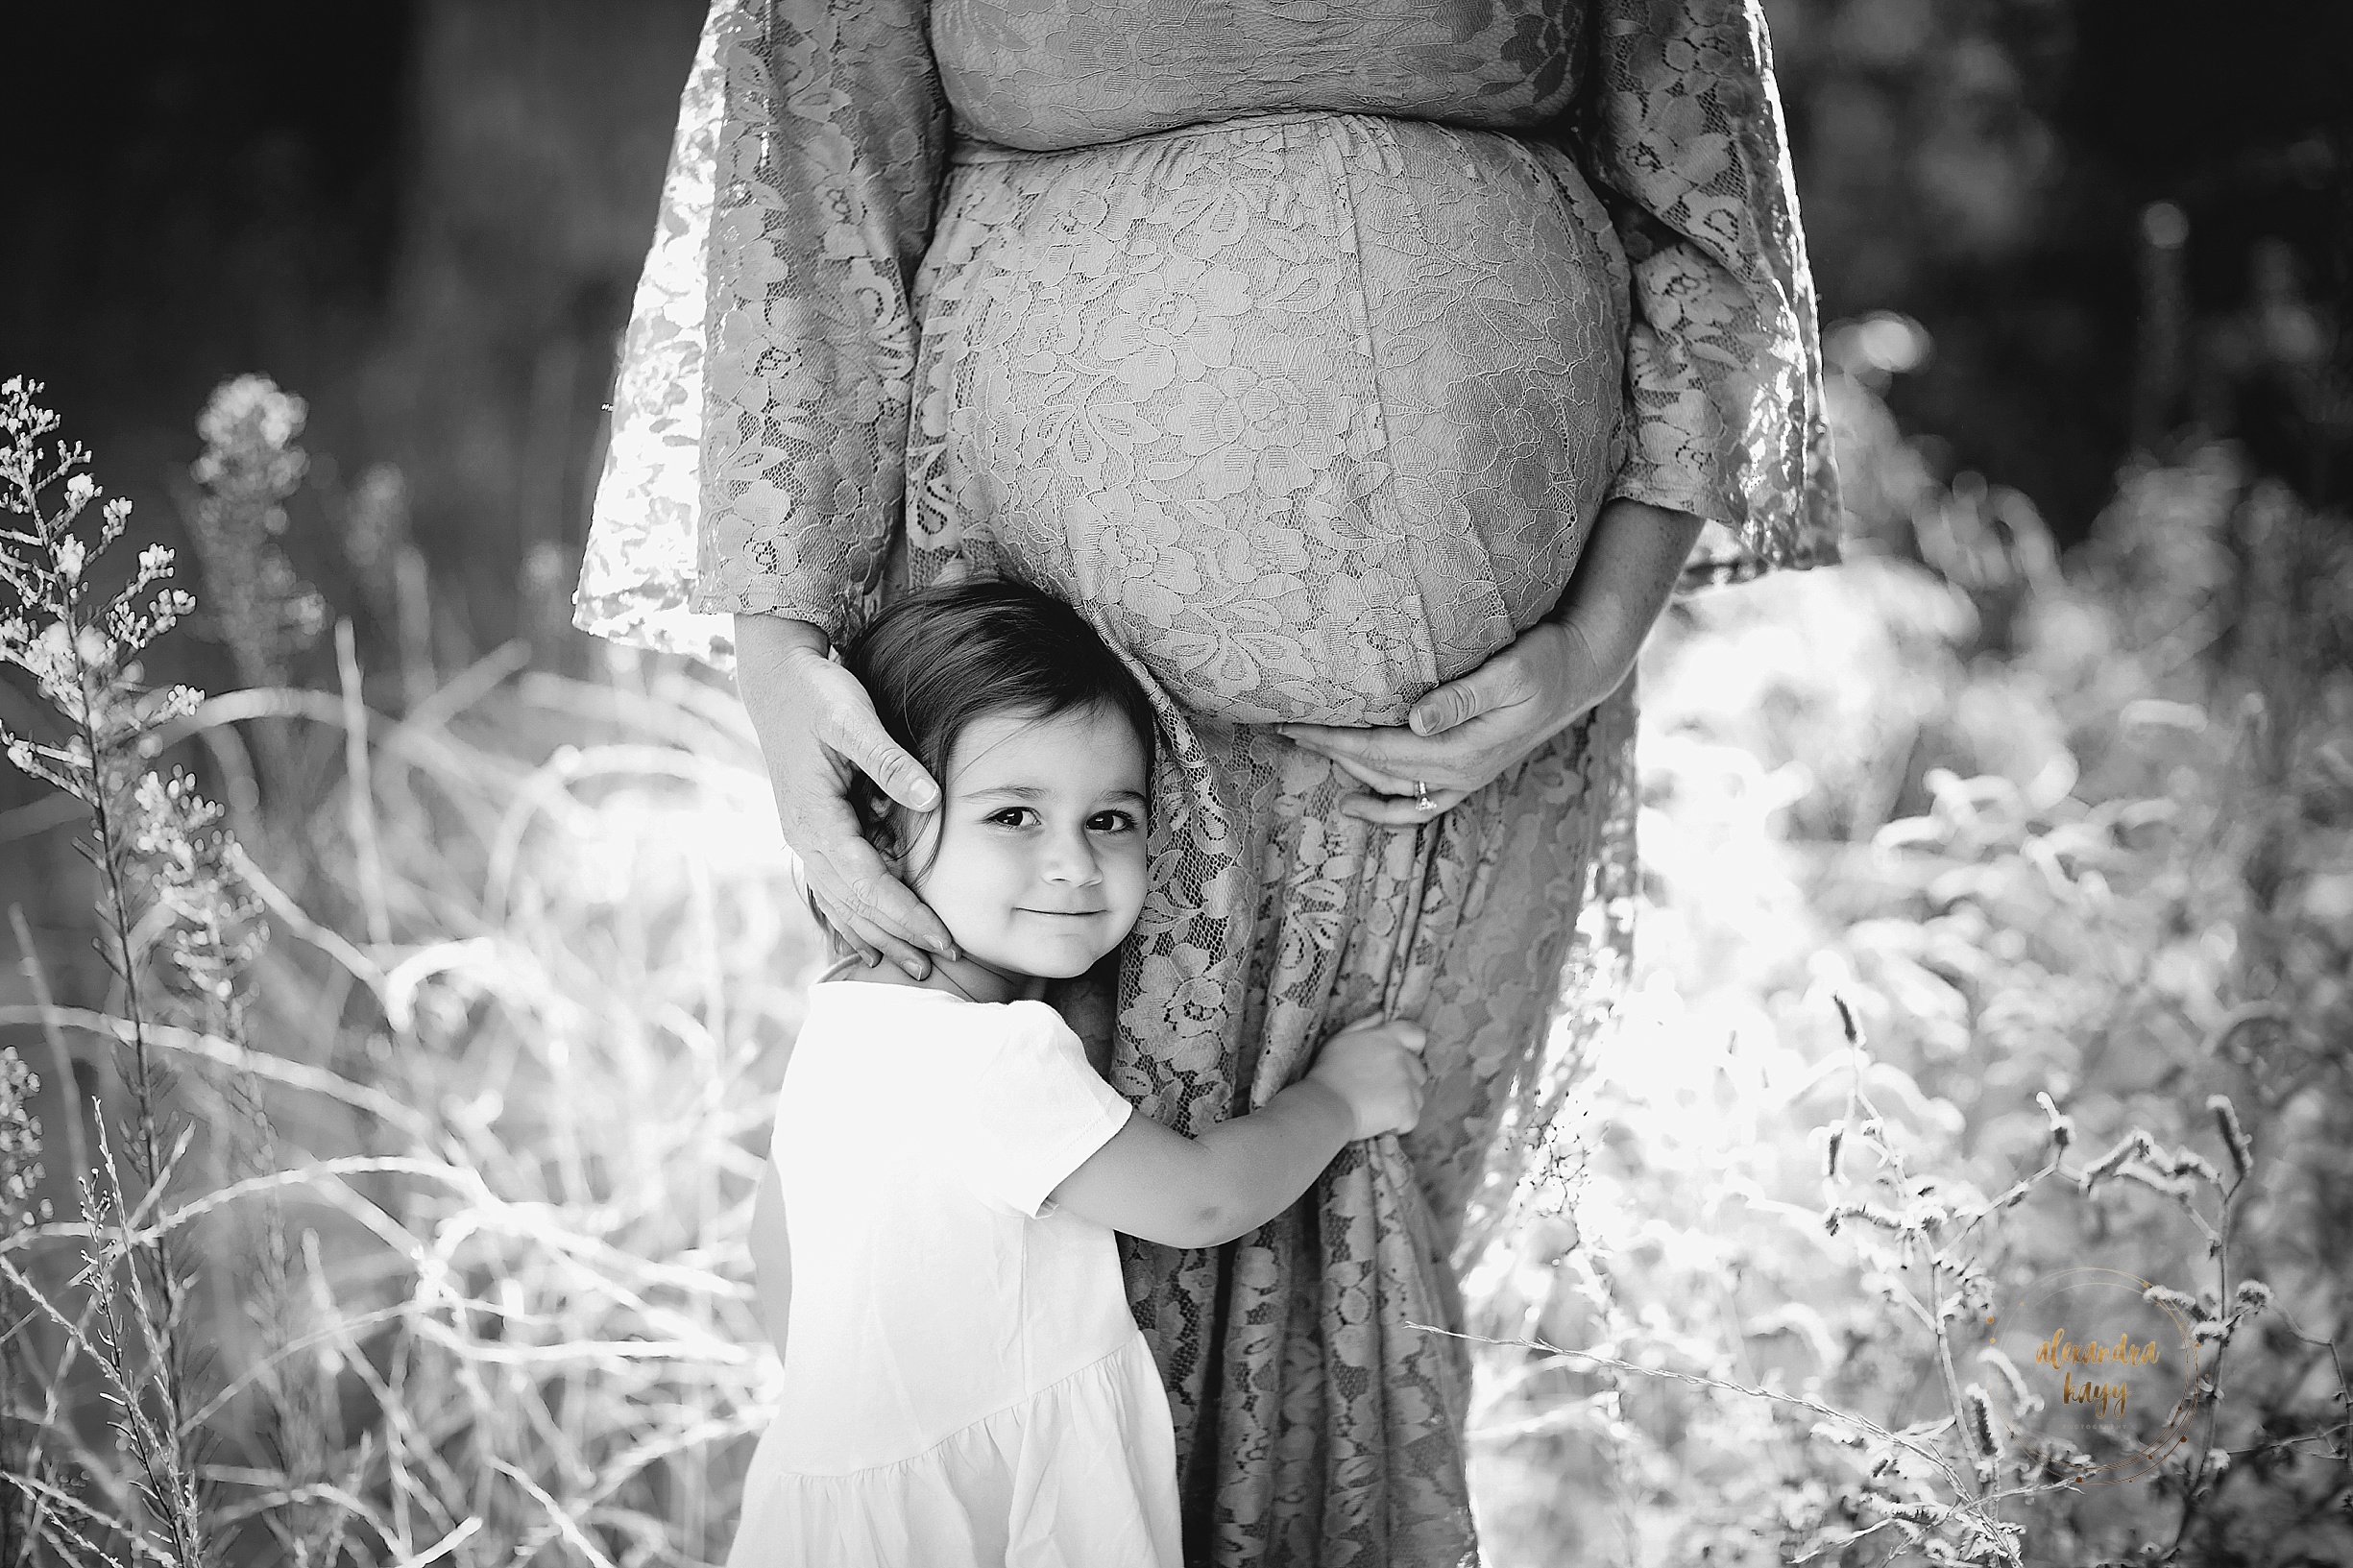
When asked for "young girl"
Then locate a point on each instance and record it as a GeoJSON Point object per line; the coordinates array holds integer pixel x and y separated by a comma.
{"type": "Point", "coordinates": [963, 1385]}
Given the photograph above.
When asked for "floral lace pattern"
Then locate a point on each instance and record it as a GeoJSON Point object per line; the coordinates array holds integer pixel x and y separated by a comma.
{"type": "Point", "coordinates": [639, 567]}
{"type": "Point", "coordinates": [1313, 410]}
{"type": "Point", "coordinates": [1299, 345]}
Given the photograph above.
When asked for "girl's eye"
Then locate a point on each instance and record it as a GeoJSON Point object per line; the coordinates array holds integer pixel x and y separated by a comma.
{"type": "Point", "coordinates": [1110, 822]}
{"type": "Point", "coordinates": [1011, 816]}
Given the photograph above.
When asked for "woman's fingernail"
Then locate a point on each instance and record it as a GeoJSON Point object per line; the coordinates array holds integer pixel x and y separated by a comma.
{"type": "Point", "coordinates": [916, 968]}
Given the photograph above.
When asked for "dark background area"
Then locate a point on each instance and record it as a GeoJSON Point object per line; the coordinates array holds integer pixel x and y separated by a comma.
{"type": "Point", "coordinates": [425, 217]}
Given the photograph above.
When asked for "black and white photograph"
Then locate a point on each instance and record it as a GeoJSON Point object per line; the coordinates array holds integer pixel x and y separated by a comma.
{"type": "Point", "coordinates": [1177, 784]}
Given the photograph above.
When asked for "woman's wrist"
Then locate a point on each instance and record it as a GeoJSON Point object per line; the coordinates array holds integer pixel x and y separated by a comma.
{"type": "Point", "coordinates": [1587, 674]}
{"type": "Point", "coordinates": [1629, 569]}
{"type": "Point", "coordinates": [778, 639]}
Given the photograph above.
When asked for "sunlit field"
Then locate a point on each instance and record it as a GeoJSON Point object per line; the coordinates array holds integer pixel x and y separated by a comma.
{"type": "Point", "coordinates": [1995, 922]}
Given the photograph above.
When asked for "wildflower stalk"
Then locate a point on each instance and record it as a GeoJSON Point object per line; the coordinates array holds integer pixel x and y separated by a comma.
{"type": "Point", "coordinates": [82, 654]}
{"type": "Point", "coordinates": [148, 1424]}
{"type": "Point", "coordinates": [1917, 1228]}
{"type": "Point", "coordinates": [1981, 1457]}
{"type": "Point", "coordinates": [252, 464]}
{"type": "Point", "coordinates": [2209, 1391]}
{"type": "Point", "coordinates": [79, 659]}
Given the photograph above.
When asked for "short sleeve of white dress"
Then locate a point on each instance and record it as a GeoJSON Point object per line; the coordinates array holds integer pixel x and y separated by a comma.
{"type": "Point", "coordinates": [1031, 1110]}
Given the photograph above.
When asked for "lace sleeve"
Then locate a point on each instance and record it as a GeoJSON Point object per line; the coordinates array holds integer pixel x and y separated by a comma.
{"type": "Point", "coordinates": [1681, 131]}
{"type": "Point", "coordinates": [760, 414]}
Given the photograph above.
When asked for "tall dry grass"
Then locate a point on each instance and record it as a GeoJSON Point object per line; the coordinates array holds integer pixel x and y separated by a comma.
{"type": "Point", "coordinates": [499, 1088]}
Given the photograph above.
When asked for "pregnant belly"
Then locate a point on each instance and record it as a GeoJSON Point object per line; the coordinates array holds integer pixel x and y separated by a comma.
{"type": "Point", "coordinates": [1313, 411]}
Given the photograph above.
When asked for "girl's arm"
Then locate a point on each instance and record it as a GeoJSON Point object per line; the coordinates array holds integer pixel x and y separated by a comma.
{"type": "Point", "coordinates": [772, 1256]}
{"type": "Point", "coordinates": [1164, 1187]}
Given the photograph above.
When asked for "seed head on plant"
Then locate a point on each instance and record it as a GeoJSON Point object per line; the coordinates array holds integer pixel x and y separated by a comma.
{"type": "Point", "coordinates": [2022, 1399]}
{"type": "Point", "coordinates": [374, 533]}
{"type": "Point", "coordinates": [1980, 1412]}
{"type": "Point", "coordinates": [2234, 1136]}
{"type": "Point", "coordinates": [1870, 1213]}
{"type": "Point", "coordinates": [250, 466]}
{"type": "Point", "coordinates": [2062, 1127]}
{"type": "Point", "coordinates": [2190, 1162]}
{"type": "Point", "coordinates": [216, 927]}
{"type": "Point", "coordinates": [2135, 1142]}
{"type": "Point", "coordinates": [2153, 1178]}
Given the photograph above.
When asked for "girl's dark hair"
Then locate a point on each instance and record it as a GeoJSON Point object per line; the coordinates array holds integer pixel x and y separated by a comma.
{"type": "Point", "coordinates": [939, 657]}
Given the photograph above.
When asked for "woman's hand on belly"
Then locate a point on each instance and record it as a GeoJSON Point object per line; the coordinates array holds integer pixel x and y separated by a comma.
{"type": "Point", "coordinates": [1473, 729]}
{"type": "Point", "coordinates": [1465, 734]}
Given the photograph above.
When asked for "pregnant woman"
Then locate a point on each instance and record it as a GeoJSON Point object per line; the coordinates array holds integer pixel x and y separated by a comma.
{"type": "Point", "coordinates": [1368, 374]}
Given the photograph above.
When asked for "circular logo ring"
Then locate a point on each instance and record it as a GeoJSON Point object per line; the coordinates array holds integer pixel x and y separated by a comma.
{"type": "Point", "coordinates": [2093, 1354]}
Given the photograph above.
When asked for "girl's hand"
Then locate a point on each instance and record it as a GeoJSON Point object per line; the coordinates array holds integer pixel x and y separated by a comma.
{"type": "Point", "coordinates": [1462, 735]}
{"type": "Point", "coordinates": [816, 724]}
{"type": "Point", "coordinates": [1377, 1067]}
{"type": "Point", "coordinates": [1229, 1179]}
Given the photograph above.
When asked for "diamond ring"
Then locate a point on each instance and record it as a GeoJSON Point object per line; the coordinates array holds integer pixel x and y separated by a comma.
{"type": "Point", "coordinates": [1422, 797]}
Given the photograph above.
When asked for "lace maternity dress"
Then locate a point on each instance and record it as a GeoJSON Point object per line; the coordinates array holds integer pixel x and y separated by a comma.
{"type": "Point", "coordinates": [1299, 343]}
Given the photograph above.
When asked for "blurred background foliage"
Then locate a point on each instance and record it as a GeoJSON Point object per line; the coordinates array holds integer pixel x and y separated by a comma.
{"type": "Point", "coordinates": [2053, 786]}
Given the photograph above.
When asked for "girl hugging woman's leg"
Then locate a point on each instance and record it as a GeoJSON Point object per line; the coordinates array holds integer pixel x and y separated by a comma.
{"type": "Point", "coordinates": [963, 1382]}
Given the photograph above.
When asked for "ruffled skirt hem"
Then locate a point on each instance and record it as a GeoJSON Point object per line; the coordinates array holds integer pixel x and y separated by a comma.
{"type": "Point", "coordinates": [1082, 1473]}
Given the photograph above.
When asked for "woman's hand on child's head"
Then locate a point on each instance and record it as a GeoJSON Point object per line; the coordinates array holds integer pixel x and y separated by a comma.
{"type": "Point", "coordinates": [817, 731]}
{"type": "Point", "coordinates": [1375, 1065]}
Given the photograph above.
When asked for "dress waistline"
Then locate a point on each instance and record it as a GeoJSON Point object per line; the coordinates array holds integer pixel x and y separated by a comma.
{"type": "Point", "coordinates": [974, 150]}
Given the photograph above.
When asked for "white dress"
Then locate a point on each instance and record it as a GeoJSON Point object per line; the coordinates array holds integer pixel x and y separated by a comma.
{"type": "Point", "coordinates": [963, 1384]}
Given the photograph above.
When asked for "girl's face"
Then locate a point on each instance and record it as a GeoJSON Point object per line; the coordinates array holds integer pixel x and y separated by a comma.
{"type": "Point", "coordinates": [1035, 858]}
